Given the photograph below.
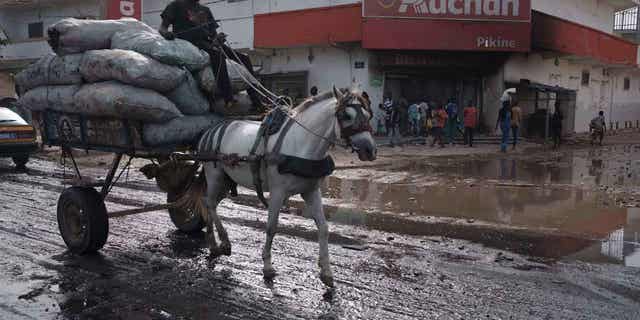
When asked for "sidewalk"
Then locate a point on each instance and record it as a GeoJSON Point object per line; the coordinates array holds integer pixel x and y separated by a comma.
{"type": "Point", "coordinates": [418, 148]}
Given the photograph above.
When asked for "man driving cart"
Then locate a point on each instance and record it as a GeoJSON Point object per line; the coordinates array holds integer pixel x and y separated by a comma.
{"type": "Point", "coordinates": [195, 23]}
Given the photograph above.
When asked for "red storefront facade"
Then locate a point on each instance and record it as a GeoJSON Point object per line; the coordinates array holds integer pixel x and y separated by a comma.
{"type": "Point", "coordinates": [442, 49]}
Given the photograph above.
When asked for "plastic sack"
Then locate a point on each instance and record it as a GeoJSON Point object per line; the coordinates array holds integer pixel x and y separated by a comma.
{"type": "Point", "coordinates": [50, 70]}
{"type": "Point", "coordinates": [176, 52]}
{"type": "Point", "coordinates": [131, 68]}
{"type": "Point", "coordinates": [114, 99]}
{"type": "Point", "coordinates": [188, 97]}
{"type": "Point", "coordinates": [72, 35]}
{"type": "Point", "coordinates": [181, 131]}
{"type": "Point", "coordinates": [57, 98]}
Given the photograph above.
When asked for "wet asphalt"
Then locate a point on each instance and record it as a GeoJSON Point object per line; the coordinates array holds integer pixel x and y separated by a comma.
{"type": "Point", "coordinates": [550, 236]}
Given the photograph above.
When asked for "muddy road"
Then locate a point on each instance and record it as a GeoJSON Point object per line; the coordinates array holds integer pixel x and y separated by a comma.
{"type": "Point", "coordinates": [553, 236]}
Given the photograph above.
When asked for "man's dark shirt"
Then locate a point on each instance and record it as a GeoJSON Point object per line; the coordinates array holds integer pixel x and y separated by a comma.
{"type": "Point", "coordinates": [191, 22]}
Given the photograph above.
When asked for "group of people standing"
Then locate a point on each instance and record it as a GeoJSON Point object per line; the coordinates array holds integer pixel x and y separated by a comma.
{"type": "Point", "coordinates": [428, 118]}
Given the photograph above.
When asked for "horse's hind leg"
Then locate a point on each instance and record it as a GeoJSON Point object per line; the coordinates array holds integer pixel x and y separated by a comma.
{"type": "Point", "coordinates": [313, 201]}
{"type": "Point", "coordinates": [215, 189]}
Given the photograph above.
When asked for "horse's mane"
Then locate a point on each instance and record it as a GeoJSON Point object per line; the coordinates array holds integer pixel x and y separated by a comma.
{"type": "Point", "coordinates": [313, 100]}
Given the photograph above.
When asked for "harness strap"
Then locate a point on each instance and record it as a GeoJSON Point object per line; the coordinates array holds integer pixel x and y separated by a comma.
{"type": "Point", "coordinates": [256, 164]}
{"type": "Point", "coordinates": [274, 155]}
{"type": "Point", "coordinates": [221, 132]}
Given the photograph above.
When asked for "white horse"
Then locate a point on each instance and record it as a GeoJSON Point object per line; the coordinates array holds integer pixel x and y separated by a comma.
{"type": "Point", "coordinates": [317, 124]}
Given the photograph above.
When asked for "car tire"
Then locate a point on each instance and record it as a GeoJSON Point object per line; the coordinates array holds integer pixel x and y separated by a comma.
{"type": "Point", "coordinates": [21, 161]}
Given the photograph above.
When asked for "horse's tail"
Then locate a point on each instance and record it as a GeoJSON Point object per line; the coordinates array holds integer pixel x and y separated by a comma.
{"type": "Point", "coordinates": [193, 198]}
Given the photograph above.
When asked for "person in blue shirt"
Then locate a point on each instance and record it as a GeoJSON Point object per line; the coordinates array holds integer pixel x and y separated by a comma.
{"type": "Point", "coordinates": [452, 122]}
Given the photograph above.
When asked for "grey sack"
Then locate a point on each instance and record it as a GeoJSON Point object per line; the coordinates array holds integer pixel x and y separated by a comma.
{"type": "Point", "coordinates": [188, 97]}
{"type": "Point", "coordinates": [180, 131]}
{"type": "Point", "coordinates": [50, 70]}
{"type": "Point", "coordinates": [57, 98]}
{"type": "Point", "coordinates": [72, 35]}
{"type": "Point", "coordinates": [131, 68]}
{"type": "Point", "coordinates": [114, 99]}
{"type": "Point", "coordinates": [176, 52]}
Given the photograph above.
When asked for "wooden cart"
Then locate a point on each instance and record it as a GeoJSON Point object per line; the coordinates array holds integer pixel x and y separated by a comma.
{"type": "Point", "coordinates": [83, 219]}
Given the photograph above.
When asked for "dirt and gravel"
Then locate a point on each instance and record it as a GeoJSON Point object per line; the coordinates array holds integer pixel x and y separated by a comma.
{"type": "Point", "coordinates": [530, 235]}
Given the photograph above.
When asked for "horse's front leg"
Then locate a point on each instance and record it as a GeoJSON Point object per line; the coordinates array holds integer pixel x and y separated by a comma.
{"type": "Point", "coordinates": [313, 201]}
{"type": "Point", "coordinates": [277, 198]}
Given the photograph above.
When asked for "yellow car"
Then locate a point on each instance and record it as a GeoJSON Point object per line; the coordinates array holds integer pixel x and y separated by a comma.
{"type": "Point", "coordinates": [17, 137]}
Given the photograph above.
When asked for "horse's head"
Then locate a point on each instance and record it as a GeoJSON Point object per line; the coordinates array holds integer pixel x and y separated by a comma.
{"type": "Point", "coordinates": [354, 113]}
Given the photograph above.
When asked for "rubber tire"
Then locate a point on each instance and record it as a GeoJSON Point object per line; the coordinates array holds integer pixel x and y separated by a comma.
{"type": "Point", "coordinates": [92, 204]}
{"type": "Point", "coordinates": [192, 226]}
{"type": "Point", "coordinates": [21, 161]}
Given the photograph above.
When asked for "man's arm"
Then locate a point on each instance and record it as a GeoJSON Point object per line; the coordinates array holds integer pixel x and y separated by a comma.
{"type": "Point", "coordinates": [164, 30]}
{"type": "Point", "coordinates": [168, 18]}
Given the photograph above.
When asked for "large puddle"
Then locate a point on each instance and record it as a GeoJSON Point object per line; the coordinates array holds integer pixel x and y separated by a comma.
{"type": "Point", "coordinates": [561, 196]}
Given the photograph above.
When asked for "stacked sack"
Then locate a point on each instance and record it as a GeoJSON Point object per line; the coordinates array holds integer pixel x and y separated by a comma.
{"type": "Point", "coordinates": [125, 69]}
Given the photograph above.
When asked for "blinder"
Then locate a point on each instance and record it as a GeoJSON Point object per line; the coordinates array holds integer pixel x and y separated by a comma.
{"type": "Point", "coordinates": [360, 122]}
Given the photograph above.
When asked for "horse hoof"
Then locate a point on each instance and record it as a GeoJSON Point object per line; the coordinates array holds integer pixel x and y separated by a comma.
{"type": "Point", "coordinates": [327, 280]}
{"type": "Point", "coordinates": [225, 249]}
{"type": "Point", "coordinates": [214, 252]}
{"type": "Point", "coordinates": [269, 274]}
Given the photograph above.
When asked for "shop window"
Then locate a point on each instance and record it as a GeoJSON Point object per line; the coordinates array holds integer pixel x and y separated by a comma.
{"type": "Point", "coordinates": [36, 30]}
{"type": "Point", "coordinates": [586, 78]}
{"type": "Point", "coordinates": [627, 84]}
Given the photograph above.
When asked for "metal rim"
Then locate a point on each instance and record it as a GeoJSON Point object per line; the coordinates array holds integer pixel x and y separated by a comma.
{"type": "Point", "coordinates": [75, 223]}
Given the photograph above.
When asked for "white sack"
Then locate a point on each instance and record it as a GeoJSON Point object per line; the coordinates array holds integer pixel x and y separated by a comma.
{"type": "Point", "coordinates": [71, 35]}
{"type": "Point", "coordinates": [57, 98]}
{"type": "Point", "coordinates": [188, 97]}
{"type": "Point", "coordinates": [50, 70]}
{"type": "Point", "coordinates": [114, 99]}
{"type": "Point", "coordinates": [176, 52]}
{"type": "Point", "coordinates": [131, 68]}
{"type": "Point", "coordinates": [180, 131]}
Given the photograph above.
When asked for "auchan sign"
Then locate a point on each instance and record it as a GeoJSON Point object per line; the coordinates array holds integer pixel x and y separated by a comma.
{"type": "Point", "coordinates": [500, 10]}
{"type": "Point", "coordinates": [117, 9]}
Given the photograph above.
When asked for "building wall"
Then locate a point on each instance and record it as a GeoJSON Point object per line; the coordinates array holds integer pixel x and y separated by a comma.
{"type": "Point", "coordinates": [6, 85]}
{"type": "Point", "coordinates": [597, 14]}
{"type": "Point", "coordinates": [626, 103]}
{"type": "Point", "coordinates": [605, 90]}
{"type": "Point", "coordinates": [15, 21]}
{"type": "Point", "coordinates": [236, 18]}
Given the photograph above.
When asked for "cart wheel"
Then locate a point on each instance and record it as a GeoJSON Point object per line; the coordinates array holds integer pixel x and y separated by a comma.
{"type": "Point", "coordinates": [186, 221]}
{"type": "Point", "coordinates": [83, 220]}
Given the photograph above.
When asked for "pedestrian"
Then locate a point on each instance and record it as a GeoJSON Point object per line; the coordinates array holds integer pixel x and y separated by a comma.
{"type": "Point", "coordinates": [403, 115]}
{"type": "Point", "coordinates": [452, 120]}
{"type": "Point", "coordinates": [598, 127]}
{"type": "Point", "coordinates": [314, 91]}
{"type": "Point", "coordinates": [424, 115]}
{"type": "Point", "coordinates": [556, 126]}
{"type": "Point", "coordinates": [439, 121]}
{"type": "Point", "coordinates": [414, 119]}
{"type": "Point", "coordinates": [516, 121]}
{"type": "Point", "coordinates": [387, 106]}
{"type": "Point", "coordinates": [366, 98]}
{"type": "Point", "coordinates": [470, 115]}
{"type": "Point", "coordinates": [504, 122]}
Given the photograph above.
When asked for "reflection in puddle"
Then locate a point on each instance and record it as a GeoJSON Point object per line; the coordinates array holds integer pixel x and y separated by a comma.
{"type": "Point", "coordinates": [559, 194]}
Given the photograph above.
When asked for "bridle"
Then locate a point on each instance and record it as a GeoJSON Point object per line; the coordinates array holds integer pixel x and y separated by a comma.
{"type": "Point", "coordinates": [360, 122]}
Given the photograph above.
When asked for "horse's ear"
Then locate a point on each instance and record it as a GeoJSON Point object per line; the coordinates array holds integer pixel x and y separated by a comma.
{"type": "Point", "coordinates": [337, 94]}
